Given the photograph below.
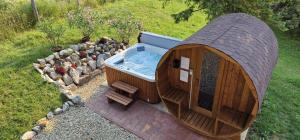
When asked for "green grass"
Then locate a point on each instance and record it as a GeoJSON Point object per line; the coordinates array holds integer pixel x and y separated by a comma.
{"type": "Point", "coordinates": [25, 98]}
{"type": "Point", "coordinates": [280, 116]}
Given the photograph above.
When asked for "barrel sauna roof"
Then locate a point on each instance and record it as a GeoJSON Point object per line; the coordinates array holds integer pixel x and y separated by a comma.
{"type": "Point", "coordinates": [246, 39]}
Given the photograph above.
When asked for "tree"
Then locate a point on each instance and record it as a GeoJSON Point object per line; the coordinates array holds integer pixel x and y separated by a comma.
{"type": "Point", "coordinates": [34, 9]}
{"type": "Point", "coordinates": [287, 15]}
{"type": "Point", "coordinates": [78, 3]}
{"type": "Point", "coordinates": [215, 8]}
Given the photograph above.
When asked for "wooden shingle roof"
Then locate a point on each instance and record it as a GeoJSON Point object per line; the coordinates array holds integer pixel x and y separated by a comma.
{"type": "Point", "coordinates": [246, 39]}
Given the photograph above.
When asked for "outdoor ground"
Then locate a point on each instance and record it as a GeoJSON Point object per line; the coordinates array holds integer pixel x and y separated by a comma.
{"type": "Point", "coordinates": [25, 98]}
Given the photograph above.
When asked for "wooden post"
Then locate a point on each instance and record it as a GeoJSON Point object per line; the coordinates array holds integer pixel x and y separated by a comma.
{"type": "Point", "coordinates": [35, 11]}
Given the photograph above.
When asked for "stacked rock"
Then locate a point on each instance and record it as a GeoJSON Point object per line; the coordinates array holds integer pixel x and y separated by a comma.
{"type": "Point", "coordinates": [79, 63]}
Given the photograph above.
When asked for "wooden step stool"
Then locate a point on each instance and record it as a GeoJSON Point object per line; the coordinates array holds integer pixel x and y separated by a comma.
{"type": "Point", "coordinates": [117, 97]}
{"type": "Point", "coordinates": [124, 87]}
{"type": "Point", "coordinates": [114, 96]}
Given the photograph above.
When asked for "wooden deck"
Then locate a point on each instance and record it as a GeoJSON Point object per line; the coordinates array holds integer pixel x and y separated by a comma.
{"type": "Point", "coordinates": [235, 119]}
{"type": "Point", "coordinates": [198, 121]}
{"type": "Point", "coordinates": [174, 95]}
{"type": "Point", "coordinates": [113, 96]}
{"type": "Point", "coordinates": [226, 124]}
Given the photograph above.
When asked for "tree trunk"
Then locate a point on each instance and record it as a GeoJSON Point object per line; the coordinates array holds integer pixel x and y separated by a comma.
{"type": "Point", "coordinates": [35, 11]}
{"type": "Point", "coordinates": [78, 3]}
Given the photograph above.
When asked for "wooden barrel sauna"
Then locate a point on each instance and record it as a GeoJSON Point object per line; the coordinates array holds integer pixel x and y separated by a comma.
{"type": "Point", "coordinates": [214, 81]}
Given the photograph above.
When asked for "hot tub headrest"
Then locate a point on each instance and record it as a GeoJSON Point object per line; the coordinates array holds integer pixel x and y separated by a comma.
{"type": "Point", "coordinates": [158, 40]}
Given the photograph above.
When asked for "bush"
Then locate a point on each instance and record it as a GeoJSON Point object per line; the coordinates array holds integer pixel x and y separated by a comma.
{"type": "Point", "coordinates": [125, 25]}
{"type": "Point", "coordinates": [14, 17]}
{"type": "Point", "coordinates": [54, 8]}
{"type": "Point", "coordinates": [86, 20]}
{"type": "Point", "coordinates": [287, 15]}
{"type": "Point", "coordinates": [53, 31]}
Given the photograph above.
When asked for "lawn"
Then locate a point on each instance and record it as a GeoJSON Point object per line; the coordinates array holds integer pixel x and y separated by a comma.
{"type": "Point", "coordinates": [25, 98]}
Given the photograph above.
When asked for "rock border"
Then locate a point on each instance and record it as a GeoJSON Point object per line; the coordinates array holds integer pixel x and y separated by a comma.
{"type": "Point", "coordinates": [70, 68]}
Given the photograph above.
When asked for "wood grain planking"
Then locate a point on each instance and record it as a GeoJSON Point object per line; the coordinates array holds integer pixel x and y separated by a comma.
{"type": "Point", "coordinates": [147, 90]}
{"type": "Point", "coordinates": [238, 92]}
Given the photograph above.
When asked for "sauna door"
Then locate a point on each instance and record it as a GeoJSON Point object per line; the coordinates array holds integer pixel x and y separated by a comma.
{"type": "Point", "coordinates": [206, 76]}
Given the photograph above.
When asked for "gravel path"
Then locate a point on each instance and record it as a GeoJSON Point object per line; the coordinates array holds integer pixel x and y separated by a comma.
{"type": "Point", "coordinates": [82, 123]}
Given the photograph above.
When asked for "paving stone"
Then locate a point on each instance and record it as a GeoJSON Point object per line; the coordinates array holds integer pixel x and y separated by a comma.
{"type": "Point", "coordinates": [57, 111]}
{"type": "Point", "coordinates": [50, 115]}
{"type": "Point", "coordinates": [37, 129]}
{"type": "Point", "coordinates": [28, 135]}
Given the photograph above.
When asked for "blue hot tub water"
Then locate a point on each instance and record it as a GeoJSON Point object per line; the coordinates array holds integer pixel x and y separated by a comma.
{"type": "Point", "coordinates": [143, 62]}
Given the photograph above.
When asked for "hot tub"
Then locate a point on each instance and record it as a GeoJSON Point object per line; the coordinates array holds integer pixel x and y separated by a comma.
{"type": "Point", "coordinates": [137, 64]}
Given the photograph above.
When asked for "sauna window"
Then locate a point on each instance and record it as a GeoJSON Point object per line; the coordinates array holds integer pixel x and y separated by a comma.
{"type": "Point", "coordinates": [208, 80]}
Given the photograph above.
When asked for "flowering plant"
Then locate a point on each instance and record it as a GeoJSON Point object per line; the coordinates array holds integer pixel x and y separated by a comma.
{"type": "Point", "coordinates": [86, 20]}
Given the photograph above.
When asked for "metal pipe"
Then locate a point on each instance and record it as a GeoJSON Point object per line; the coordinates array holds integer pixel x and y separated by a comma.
{"type": "Point", "coordinates": [191, 88]}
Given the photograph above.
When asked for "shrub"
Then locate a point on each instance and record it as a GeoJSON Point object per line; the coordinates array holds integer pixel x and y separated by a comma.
{"type": "Point", "coordinates": [14, 17]}
{"type": "Point", "coordinates": [125, 25]}
{"type": "Point", "coordinates": [54, 8]}
{"type": "Point", "coordinates": [287, 15]}
{"type": "Point", "coordinates": [86, 20]}
{"type": "Point", "coordinates": [53, 31]}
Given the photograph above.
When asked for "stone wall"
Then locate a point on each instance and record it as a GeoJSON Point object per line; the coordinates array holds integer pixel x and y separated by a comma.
{"type": "Point", "coordinates": [79, 63]}
{"type": "Point", "coordinates": [70, 68]}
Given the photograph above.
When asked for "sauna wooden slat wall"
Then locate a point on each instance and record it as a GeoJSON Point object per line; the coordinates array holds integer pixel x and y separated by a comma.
{"type": "Point", "coordinates": [174, 73]}
{"type": "Point", "coordinates": [236, 93]}
{"type": "Point", "coordinates": [163, 81]}
{"type": "Point", "coordinates": [147, 91]}
{"type": "Point", "coordinates": [234, 103]}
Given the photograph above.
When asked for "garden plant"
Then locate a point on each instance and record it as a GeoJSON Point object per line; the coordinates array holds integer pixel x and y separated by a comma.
{"type": "Point", "coordinates": [86, 20]}
{"type": "Point", "coordinates": [53, 31]}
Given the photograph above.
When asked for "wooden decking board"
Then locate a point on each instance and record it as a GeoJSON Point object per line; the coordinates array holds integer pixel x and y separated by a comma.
{"type": "Point", "coordinates": [198, 121]}
{"type": "Point", "coordinates": [194, 118]}
{"type": "Point", "coordinates": [118, 97]}
{"type": "Point", "coordinates": [190, 115]}
{"type": "Point", "coordinates": [208, 125]}
{"type": "Point", "coordinates": [233, 118]}
{"type": "Point", "coordinates": [125, 87]}
{"type": "Point", "coordinates": [124, 100]}
{"type": "Point", "coordinates": [184, 115]}
{"type": "Point", "coordinates": [174, 95]}
{"type": "Point", "coordinates": [203, 123]}
{"type": "Point", "coordinates": [113, 95]}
